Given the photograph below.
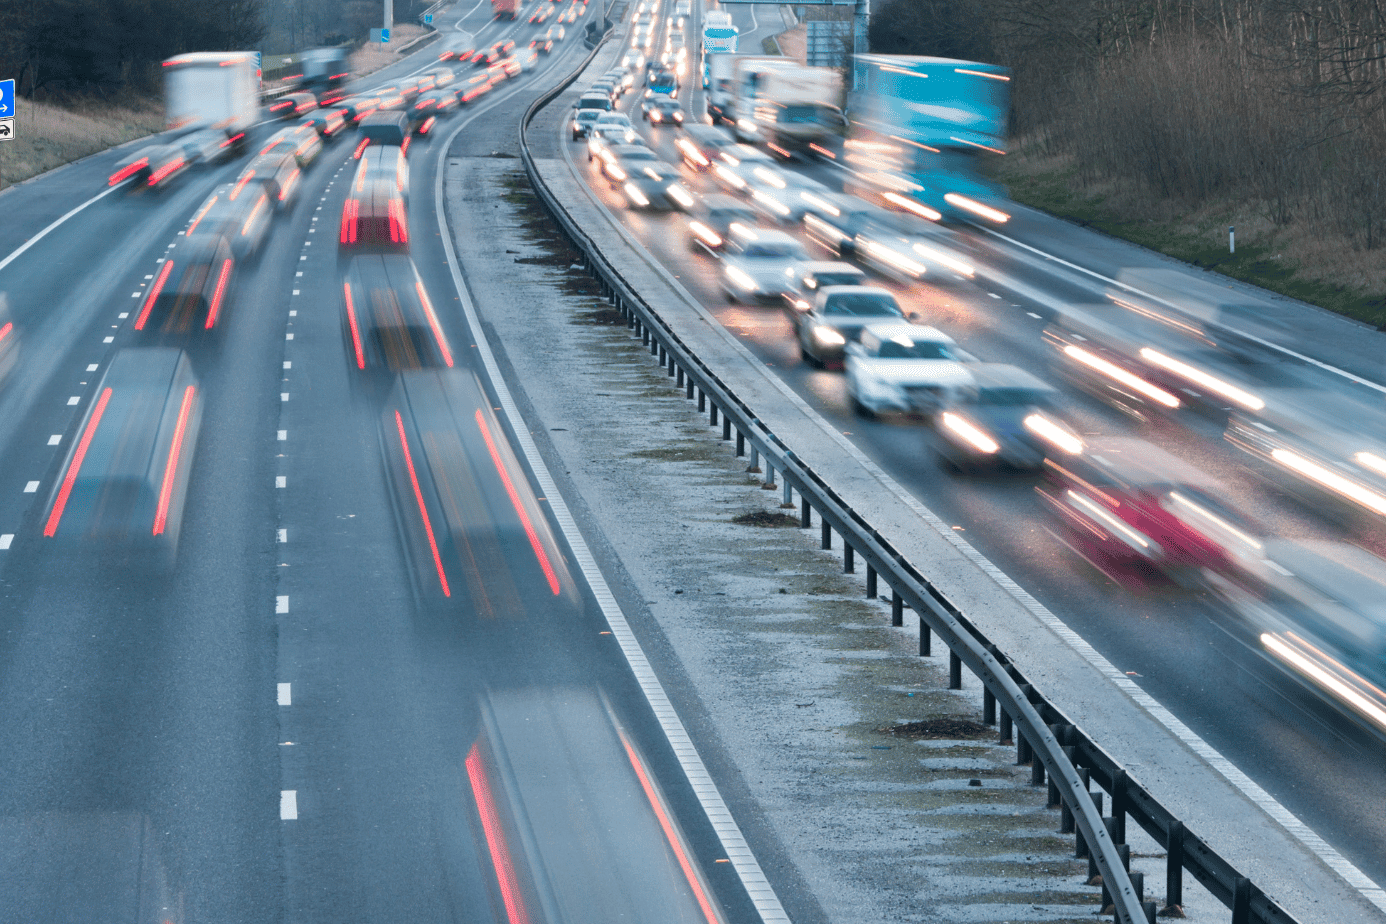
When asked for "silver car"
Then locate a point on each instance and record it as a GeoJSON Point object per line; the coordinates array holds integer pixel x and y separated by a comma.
{"type": "Point", "coordinates": [898, 366]}
{"type": "Point", "coordinates": [754, 262]}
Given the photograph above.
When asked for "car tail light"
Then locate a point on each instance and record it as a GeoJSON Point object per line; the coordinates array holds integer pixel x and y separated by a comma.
{"type": "Point", "coordinates": [153, 295]}
{"type": "Point", "coordinates": [171, 466]}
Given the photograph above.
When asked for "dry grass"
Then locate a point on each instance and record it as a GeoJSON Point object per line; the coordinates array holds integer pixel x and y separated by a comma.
{"type": "Point", "coordinates": [372, 57]}
{"type": "Point", "coordinates": [48, 135]}
{"type": "Point", "coordinates": [1302, 259]}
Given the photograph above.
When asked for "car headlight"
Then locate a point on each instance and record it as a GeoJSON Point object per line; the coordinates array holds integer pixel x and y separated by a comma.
{"type": "Point", "coordinates": [828, 336]}
{"type": "Point", "coordinates": [741, 278]}
{"type": "Point", "coordinates": [636, 195]}
{"type": "Point", "coordinates": [970, 433]}
{"type": "Point", "coordinates": [679, 195]}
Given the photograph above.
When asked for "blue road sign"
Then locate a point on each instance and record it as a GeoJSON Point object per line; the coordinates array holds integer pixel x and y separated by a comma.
{"type": "Point", "coordinates": [384, 35]}
{"type": "Point", "coordinates": [428, 19]}
{"type": "Point", "coordinates": [7, 99]}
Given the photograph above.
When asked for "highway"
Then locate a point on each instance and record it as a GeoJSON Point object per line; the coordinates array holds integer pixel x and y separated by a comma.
{"type": "Point", "coordinates": [293, 725]}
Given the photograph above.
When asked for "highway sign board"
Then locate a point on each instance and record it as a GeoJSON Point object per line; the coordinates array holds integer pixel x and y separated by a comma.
{"type": "Point", "coordinates": [7, 129]}
{"type": "Point", "coordinates": [380, 35]}
{"type": "Point", "coordinates": [7, 99]}
{"type": "Point", "coordinates": [428, 19]}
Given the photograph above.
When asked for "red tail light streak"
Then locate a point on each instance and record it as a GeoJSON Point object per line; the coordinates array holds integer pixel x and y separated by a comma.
{"type": "Point", "coordinates": [153, 295]}
{"type": "Point", "coordinates": [128, 171]}
{"type": "Point", "coordinates": [219, 293]}
{"type": "Point", "coordinates": [495, 840]}
{"type": "Point", "coordinates": [171, 466]}
{"type": "Point", "coordinates": [51, 528]}
{"type": "Point", "coordinates": [423, 510]}
{"type": "Point", "coordinates": [355, 331]}
{"type": "Point", "coordinates": [515, 501]}
{"type": "Point", "coordinates": [433, 320]}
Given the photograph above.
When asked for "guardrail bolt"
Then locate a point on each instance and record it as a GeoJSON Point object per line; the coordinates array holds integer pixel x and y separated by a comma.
{"type": "Point", "coordinates": [926, 639]}
{"type": "Point", "coordinates": [827, 536]}
{"type": "Point", "coordinates": [1174, 871]}
{"type": "Point", "coordinates": [849, 562]}
{"type": "Point", "coordinates": [870, 582]}
{"type": "Point", "coordinates": [954, 671]}
{"type": "Point", "coordinates": [805, 513]}
{"type": "Point", "coordinates": [740, 444]}
{"type": "Point", "coordinates": [897, 608]}
{"type": "Point", "coordinates": [988, 707]}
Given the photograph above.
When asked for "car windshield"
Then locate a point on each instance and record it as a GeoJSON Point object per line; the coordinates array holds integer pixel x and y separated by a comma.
{"type": "Point", "coordinates": [770, 251]}
{"type": "Point", "coordinates": [904, 348]}
{"type": "Point", "coordinates": [836, 279]}
{"type": "Point", "coordinates": [1011, 397]}
{"type": "Point", "coordinates": [862, 305]}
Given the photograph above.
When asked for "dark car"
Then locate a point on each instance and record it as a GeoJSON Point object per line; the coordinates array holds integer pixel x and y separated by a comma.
{"type": "Point", "coordinates": [701, 144]}
{"type": "Point", "coordinates": [384, 128]}
{"type": "Point", "coordinates": [476, 534]}
{"type": "Point", "coordinates": [374, 218]}
{"type": "Point", "coordinates": [1010, 418]}
{"type": "Point", "coordinates": [833, 220]}
{"type": "Point", "coordinates": [190, 291]}
{"type": "Point", "coordinates": [279, 173]}
{"type": "Point", "coordinates": [126, 474]}
{"type": "Point", "coordinates": [805, 279]}
{"type": "Point", "coordinates": [388, 321]}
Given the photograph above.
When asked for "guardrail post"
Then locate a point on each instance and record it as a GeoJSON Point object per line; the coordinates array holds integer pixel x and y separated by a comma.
{"type": "Point", "coordinates": [805, 513]}
{"type": "Point", "coordinates": [988, 706]}
{"type": "Point", "coordinates": [702, 401]}
{"type": "Point", "coordinates": [1022, 751]}
{"type": "Point", "coordinates": [688, 382]}
{"type": "Point", "coordinates": [657, 350]}
{"type": "Point", "coordinates": [712, 415]}
{"type": "Point", "coordinates": [926, 638]}
{"type": "Point", "coordinates": [678, 378]}
{"type": "Point", "coordinates": [755, 458]}
{"type": "Point", "coordinates": [1241, 901]}
{"type": "Point", "coordinates": [672, 366]}
{"type": "Point", "coordinates": [644, 334]}
{"type": "Point", "coordinates": [870, 582]}
{"type": "Point", "coordinates": [1036, 771]}
{"type": "Point", "coordinates": [827, 536]}
{"type": "Point", "coordinates": [726, 428]}
{"type": "Point", "coordinates": [1174, 871]}
{"type": "Point", "coordinates": [849, 562]}
{"type": "Point", "coordinates": [1119, 806]}
{"type": "Point", "coordinates": [954, 671]}
{"type": "Point", "coordinates": [787, 501]}
{"type": "Point", "coordinates": [1006, 732]}
{"type": "Point", "coordinates": [897, 608]}
{"type": "Point", "coordinates": [740, 444]}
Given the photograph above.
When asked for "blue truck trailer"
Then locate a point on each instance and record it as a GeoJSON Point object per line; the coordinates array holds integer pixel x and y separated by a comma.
{"type": "Point", "coordinates": [920, 130]}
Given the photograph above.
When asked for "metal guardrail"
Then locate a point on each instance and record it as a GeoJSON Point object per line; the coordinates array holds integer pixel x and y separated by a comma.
{"type": "Point", "coordinates": [1056, 749]}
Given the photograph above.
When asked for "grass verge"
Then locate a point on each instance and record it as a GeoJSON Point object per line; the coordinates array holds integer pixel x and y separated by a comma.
{"type": "Point", "coordinates": [48, 135]}
{"type": "Point", "coordinates": [1296, 259]}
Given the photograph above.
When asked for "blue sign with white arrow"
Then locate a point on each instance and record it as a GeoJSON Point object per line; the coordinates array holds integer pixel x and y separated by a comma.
{"type": "Point", "coordinates": [7, 99]}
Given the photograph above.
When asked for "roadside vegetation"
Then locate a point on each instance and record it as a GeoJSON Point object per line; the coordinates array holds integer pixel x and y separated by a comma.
{"type": "Point", "coordinates": [1166, 121]}
{"type": "Point", "coordinates": [49, 135]}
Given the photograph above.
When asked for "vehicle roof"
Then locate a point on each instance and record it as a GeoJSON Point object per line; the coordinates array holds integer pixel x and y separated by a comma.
{"type": "Point", "coordinates": [1138, 461]}
{"type": "Point", "coordinates": [746, 152]}
{"type": "Point", "coordinates": [828, 291]}
{"type": "Point", "coordinates": [1001, 375]}
{"type": "Point", "coordinates": [813, 267]}
{"type": "Point", "coordinates": [387, 117]}
{"type": "Point", "coordinates": [633, 151]}
{"type": "Point", "coordinates": [773, 236]}
{"type": "Point", "coordinates": [1345, 572]}
{"type": "Point", "coordinates": [891, 330]}
{"type": "Point", "coordinates": [705, 133]}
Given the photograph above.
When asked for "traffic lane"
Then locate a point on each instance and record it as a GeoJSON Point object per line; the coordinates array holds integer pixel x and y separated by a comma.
{"type": "Point", "coordinates": [1138, 637]}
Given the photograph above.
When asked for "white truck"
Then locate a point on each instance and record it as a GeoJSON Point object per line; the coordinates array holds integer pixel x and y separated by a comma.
{"type": "Point", "coordinates": [213, 90]}
{"type": "Point", "coordinates": [785, 105]}
{"type": "Point", "coordinates": [722, 76]}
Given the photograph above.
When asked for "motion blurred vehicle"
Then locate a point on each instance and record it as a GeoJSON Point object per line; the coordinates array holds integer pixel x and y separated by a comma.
{"type": "Point", "coordinates": [388, 322]}
{"type": "Point", "coordinates": [754, 261]}
{"type": "Point", "coordinates": [9, 340]}
{"type": "Point", "coordinates": [833, 220]}
{"type": "Point", "coordinates": [1008, 418]}
{"type": "Point", "coordinates": [1141, 516]}
{"type": "Point", "coordinates": [780, 194]}
{"type": "Point", "coordinates": [618, 161]}
{"type": "Point", "coordinates": [457, 51]}
{"type": "Point", "coordinates": [656, 186]}
{"type": "Point", "coordinates": [584, 120]}
{"type": "Point", "coordinates": [662, 110]}
{"type": "Point", "coordinates": [602, 138]}
{"type": "Point", "coordinates": [540, 15]}
{"type": "Point", "coordinates": [374, 218]}
{"type": "Point", "coordinates": [805, 279]}
{"type": "Point", "coordinates": [598, 100]}
{"type": "Point", "coordinates": [904, 247]}
{"type": "Point", "coordinates": [293, 105]}
{"type": "Point", "coordinates": [1325, 448]}
{"type": "Point", "coordinates": [505, 9]}
{"type": "Point", "coordinates": [661, 81]}
{"type": "Point", "coordinates": [325, 72]}
{"type": "Point", "coordinates": [712, 222]}
{"type": "Point", "coordinates": [836, 318]}
{"type": "Point", "coordinates": [1099, 352]}
{"type": "Point", "coordinates": [191, 289]}
{"type": "Point", "coordinates": [278, 173]}
{"type": "Point", "coordinates": [357, 108]}
{"type": "Point", "coordinates": [241, 214]}
{"type": "Point", "coordinates": [205, 146]}
{"type": "Point", "coordinates": [301, 142]}
{"type": "Point", "coordinates": [474, 532]}
{"type": "Point", "coordinates": [909, 368]}
{"type": "Point", "coordinates": [383, 162]}
{"type": "Point", "coordinates": [736, 168]}
{"type": "Point", "coordinates": [701, 145]}
{"type": "Point", "coordinates": [153, 167]}
{"type": "Point", "coordinates": [328, 123]}
{"type": "Point", "coordinates": [544, 43]}
{"type": "Point", "coordinates": [493, 53]}
{"type": "Point", "coordinates": [472, 88]}
{"type": "Point", "coordinates": [433, 105]}
{"type": "Point", "coordinates": [384, 128]}
{"type": "Point", "coordinates": [217, 90]}
{"type": "Point", "coordinates": [615, 118]}
{"type": "Point", "coordinates": [1315, 611]}
{"type": "Point", "coordinates": [125, 478]}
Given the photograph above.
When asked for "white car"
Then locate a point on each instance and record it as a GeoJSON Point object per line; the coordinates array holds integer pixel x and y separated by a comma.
{"type": "Point", "coordinates": [836, 316]}
{"type": "Point", "coordinates": [735, 168]}
{"type": "Point", "coordinates": [755, 260]}
{"type": "Point", "coordinates": [897, 366]}
{"type": "Point", "coordinates": [779, 194]}
{"type": "Point", "coordinates": [905, 247]}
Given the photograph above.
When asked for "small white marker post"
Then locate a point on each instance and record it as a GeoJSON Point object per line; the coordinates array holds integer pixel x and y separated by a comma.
{"type": "Point", "coordinates": [1231, 238]}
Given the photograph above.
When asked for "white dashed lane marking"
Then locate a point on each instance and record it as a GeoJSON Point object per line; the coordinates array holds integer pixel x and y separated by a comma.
{"type": "Point", "coordinates": [281, 482]}
{"type": "Point", "coordinates": [55, 439]}
{"type": "Point", "coordinates": [75, 399]}
{"type": "Point", "coordinates": [5, 540]}
{"type": "Point", "coordinates": [286, 694]}
{"type": "Point", "coordinates": [92, 368]}
{"type": "Point", "coordinates": [31, 487]}
{"type": "Point", "coordinates": [288, 804]}
{"type": "Point", "coordinates": [283, 434]}
{"type": "Point", "coordinates": [283, 535]}
{"type": "Point", "coordinates": [281, 603]}
{"type": "Point", "coordinates": [1035, 316]}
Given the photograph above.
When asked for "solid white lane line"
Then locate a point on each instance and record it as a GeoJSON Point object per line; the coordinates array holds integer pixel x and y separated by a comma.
{"type": "Point", "coordinates": [31, 487]}
{"type": "Point", "coordinates": [288, 804]}
{"type": "Point", "coordinates": [281, 603]}
{"type": "Point", "coordinates": [286, 697]}
{"type": "Point", "coordinates": [44, 233]}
